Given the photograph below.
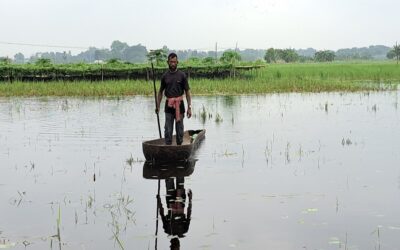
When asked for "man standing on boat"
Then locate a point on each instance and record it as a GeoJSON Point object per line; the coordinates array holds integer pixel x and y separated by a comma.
{"type": "Point", "coordinates": [174, 83]}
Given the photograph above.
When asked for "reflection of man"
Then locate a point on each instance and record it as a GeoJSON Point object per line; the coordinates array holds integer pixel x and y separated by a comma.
{"type": "Point", "coordinates": [175, 222]}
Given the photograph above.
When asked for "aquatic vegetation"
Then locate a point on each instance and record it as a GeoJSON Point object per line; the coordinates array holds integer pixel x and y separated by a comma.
{"type": "Point", "coordinates": [130, 160]}
{"type": "Point", "coordinates": [310, 77]}
{"type": "Point", "coordinates": [346, 142]}
{"type": "Point", "coordinates": [218, 118]}
{"type": "Point", "coordinates": [6, 243]}
{"type": "Point", "coordinates": [58, 225]}
{"type": "Point", "coordinates": [120, 210]}
{"type": "Point", "coordinates": [203, 114]}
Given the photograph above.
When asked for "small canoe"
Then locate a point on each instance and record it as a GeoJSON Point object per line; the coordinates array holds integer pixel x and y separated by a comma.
{"type": "Point", "coordinates": [157, 150]}
{"type": "Point", "coordinates": [158, 171]}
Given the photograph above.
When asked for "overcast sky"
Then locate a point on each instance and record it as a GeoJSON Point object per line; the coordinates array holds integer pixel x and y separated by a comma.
{"type": "Point", "coordinates": [189, 24]}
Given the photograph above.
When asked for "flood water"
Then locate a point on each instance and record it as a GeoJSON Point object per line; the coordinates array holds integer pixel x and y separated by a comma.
{"type": "Point", "coordinates": [279, 171]}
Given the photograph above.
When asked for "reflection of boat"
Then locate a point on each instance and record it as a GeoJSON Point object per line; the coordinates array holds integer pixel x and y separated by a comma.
{"type": "Point", "coordinates": [157, 150]}
{"type": "Point", "coordinates": [163, 171]}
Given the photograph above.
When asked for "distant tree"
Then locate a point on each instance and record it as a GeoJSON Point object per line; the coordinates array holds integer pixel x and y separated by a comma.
{"type": "Point", "coordinates": [324, 56]}
{"type": "Point", "coordinates": [396, 50]}
{"type": "Point", "coordinates": [118, 48]}
{"type": "Point", "coordinates": [5, 60]}
{"type": "Point", "coordinates": [306, 53]}
{"type": "Point", "coordinates": [288, 55]}
{"type": "Point", "coordinates": [158, 55]}
{"type": "Point", "coordinates": [394, 53]}
{"type": "Point", "coordinates": [87, 56]}
{"type": "Point", "coordinates": [270, 55]}
{"type": "Point", "coordinates": [378, 51]}
{"type": "Point", "coordinates": [391, 54]}
{"type": "Point", "coordinates": [19, 58]}
{"type": "Point", "coordinates": [230, 56]}
{"type": "Point", "coordinates": [43, 62]}
{"type": "Point", "coordinates": [64, 56]}
{"type": "Point", "coordinates": [208, 60]}
{"type": "Point", "coordinates": [360, 53]}
{"type": "Point", "coordinates": [252, 54]}
{"type": "Point", "coordinates": [135, 54]}
{"type": "Point", "coordinates": [100, 54]}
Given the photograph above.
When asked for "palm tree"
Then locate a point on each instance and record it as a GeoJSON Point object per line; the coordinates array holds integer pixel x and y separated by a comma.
{"type": "Point", "coordinates": [157, 55]}
{"type": "Point", "coordinates": [396, 50]}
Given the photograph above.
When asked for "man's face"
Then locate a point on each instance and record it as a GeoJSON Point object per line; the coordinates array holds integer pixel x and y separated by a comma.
{"type": "Point", "coordinates": [172, 63]}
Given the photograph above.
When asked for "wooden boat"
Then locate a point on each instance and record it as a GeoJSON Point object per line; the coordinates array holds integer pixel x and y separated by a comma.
{"type": "Point", "coordinates": [157, 150]}
{"type": "Point", "coordinates": [158, 171]}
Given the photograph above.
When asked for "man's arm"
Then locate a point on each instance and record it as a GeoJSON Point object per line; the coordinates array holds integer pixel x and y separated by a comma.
{"type": "Point", "coordinates": [189, 102]}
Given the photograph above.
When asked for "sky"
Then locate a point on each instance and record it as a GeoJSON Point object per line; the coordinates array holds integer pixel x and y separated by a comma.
{"type": "Point", "coordinates": [74, 25]}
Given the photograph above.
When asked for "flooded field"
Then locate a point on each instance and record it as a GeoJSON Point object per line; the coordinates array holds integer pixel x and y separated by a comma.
{"type": "Point", "coordinates": [284, 171]}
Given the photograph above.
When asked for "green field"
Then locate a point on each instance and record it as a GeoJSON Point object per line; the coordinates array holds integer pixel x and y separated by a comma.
{"type": "Point", "coordinates": [274, 78]}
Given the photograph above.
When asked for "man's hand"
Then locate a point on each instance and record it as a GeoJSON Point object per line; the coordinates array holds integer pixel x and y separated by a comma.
{"type": "Point", "coordinates": [189, 112]}
{"type": "Point", "coordinates": [157, 110]}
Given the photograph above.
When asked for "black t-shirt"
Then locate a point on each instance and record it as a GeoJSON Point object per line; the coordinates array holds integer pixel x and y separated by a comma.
{"type": "Point", "coordinates": [174, 84]}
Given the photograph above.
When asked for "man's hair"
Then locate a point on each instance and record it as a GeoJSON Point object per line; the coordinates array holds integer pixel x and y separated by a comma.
{"type": "Point", "coordinates": [172, 55]}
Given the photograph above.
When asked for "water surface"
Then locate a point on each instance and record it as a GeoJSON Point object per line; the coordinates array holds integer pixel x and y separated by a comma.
{"type": "Point", "coordinates": [279, 171]}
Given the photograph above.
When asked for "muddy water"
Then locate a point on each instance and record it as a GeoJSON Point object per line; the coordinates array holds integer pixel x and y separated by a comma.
{"type": "Point", "coordinates": [287, 171]}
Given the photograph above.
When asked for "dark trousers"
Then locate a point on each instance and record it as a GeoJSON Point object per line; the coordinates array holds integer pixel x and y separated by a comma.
{"type": "Point", "coordinates": [169, 129]}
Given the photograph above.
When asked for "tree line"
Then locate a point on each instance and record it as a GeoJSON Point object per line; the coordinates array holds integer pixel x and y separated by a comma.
{"type": "Point", "coordinates": [139, 54]}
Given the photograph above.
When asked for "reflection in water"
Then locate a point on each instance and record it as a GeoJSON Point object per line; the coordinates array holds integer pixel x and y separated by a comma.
{"type": "Point", "coordinates": [229, 101]}
{"type": "Point", "coordinates": [175, 221]}
{"type": "Point", "coordinates": [320, 170]}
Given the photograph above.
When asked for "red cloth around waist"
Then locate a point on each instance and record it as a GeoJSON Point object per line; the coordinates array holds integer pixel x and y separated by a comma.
{"type": "Point", "coordinates": [175, 103]}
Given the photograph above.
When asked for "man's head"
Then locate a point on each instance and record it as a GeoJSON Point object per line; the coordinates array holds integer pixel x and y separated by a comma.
{"type": "Point", "coordinates": [175, 244]}
{"type": "Point", "coordinates": [172, 61]}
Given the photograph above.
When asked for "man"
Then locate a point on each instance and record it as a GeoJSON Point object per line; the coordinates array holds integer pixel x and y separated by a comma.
{"type": "Point", "coordinates": [174, 83]}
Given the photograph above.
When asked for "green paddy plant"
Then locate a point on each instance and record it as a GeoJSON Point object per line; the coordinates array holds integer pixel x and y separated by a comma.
{"type": "Point", "coordinates": [218, 118]}
{"type": "Point", "coordinates": [287, 153]}
{"type": "Point", "coordinates": [374, 108]}
{"type": "Point", "coordinates": [120, 209]}
{"type": "Point", "coordinates": [242, 156]}
{"type": "Point", "coordinates": [58, 225]}
{"type": "Point", "coordinates": [346, 142]}
{"type": "Point", "coordinates": [300, 152]}
{"type": "Point", "coordinates": [6, 243]}
{"type": "Point", "coordinates": [130, 160]}
{"type": "Point", "coordinates": [378, 240]}
{"type": "Point", "coordinates": [273, 78]}
{"type": "Point", "coordinates": [203, 115]}
{"type": "Point", "coordinates": [116, 230]}
{"type": "Point", "coordinates": [268, 152]}
{"type": "Point", "coordinates": [227, 153]}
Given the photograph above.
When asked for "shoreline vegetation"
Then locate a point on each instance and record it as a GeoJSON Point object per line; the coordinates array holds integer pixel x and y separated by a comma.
{"type": "Point", "coordinates": [273, 78]}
